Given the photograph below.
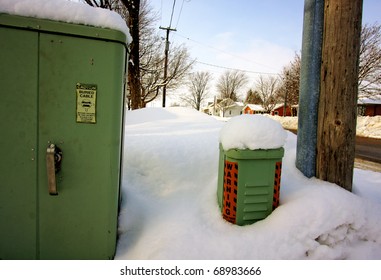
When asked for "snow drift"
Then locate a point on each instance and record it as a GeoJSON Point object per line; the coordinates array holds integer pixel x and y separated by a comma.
{"type": "Point", "coordinates": [169, 206]}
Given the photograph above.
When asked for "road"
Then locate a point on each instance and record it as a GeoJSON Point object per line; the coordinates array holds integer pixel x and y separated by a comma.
{"type": "Point", "coordinates": [368, 149]}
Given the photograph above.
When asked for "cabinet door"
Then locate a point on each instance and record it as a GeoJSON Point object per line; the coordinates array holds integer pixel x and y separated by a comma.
{"type": "Point", "coordinates": [81, 221]}
{"type": "Point", "coordinates": [18, 143]}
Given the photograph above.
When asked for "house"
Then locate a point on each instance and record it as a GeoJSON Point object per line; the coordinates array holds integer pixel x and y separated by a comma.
{"type": "Point", "coordinates": [278, 110]}
{"type": "Point", "coordinates": [212, 108]}
{"type": "Point", "coordinates": [369, 106]}
{"type": "Point", "coordinates": [224, 108]}
{"type": "Point", "coordinates": [253, 109]}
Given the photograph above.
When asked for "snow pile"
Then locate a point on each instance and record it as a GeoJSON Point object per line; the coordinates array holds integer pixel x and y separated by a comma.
{"type": "Point", "coordinates": [287, 122]}
{"type": "Point", "coordinates": [369, 127]}
{"type": "Point", "coordinates": [252, 132]}
{"type": "Point", "coordinates": [169, 204]}
{"type": "Point", "coordinates": [66, 11]}
{"type": "Point", "coordinates": [366, 126]}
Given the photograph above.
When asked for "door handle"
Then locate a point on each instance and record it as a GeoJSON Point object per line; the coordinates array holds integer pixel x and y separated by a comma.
{"type": "Point", "coordinates": [53, 166]}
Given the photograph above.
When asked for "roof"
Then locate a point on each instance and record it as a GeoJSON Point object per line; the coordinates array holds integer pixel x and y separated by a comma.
{"type": "Point", "coordinates": [255, 107]}
{"type": "Point", "coordinates": [369, 100]}
{"type": "Point", "coordinates": [227, 102]}
{"type": "Point", "coordinates": [277, 106]}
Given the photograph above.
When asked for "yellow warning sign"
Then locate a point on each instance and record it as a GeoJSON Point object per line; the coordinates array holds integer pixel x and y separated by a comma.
{"type": "Point", "coordinates": [86, 103]}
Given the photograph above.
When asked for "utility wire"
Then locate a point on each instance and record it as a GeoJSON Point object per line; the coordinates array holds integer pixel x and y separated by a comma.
{"type": "Point", "coordinates": [161, 12]}
{"type": "Point", "coordinates": [181, 9]}
{"type": "Point", "coordinates": [168, 29]}
{"type": "Point", "coordinates": [235, 69]}
{"type": "Point", "coordinates": [173, 9]}
{"type": "Point", "coordinates": [222, 51]}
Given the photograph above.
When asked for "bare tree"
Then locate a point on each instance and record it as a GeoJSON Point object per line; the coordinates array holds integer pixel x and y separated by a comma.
{"type": "Point", "coordinates": [198, 86]}
{"type": "Point", "coordinates": [151, 59]}
{"type": "Point", "coordinates": [369, 79]}
{"type": "Point", "coordinates": [370, 61]}
{"type": "Point", "coordinates": [145, 67]}
{"type": "Point", "coordinates": [133, 22]}
{"type": "Point", "coordinates": [267, 89]}
{"type": "Point", "coordinates": [230, 82]}
{"type": "Point", "coordinates": [179, 65]}
{"type": "Point", "coordinates": [288, 90]}
{"type": "Point", "coordinates": [106, 4]}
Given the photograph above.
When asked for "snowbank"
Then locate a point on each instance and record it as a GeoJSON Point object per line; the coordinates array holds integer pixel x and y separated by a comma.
{"type": "Point", "coordinates": [366, 126]}
{"type": "Point", "coordinates": [169, 204]}
{"type": "Point", "coordinates": [66, 11]}
{"type": "Point", "coordinates": [369, 127]}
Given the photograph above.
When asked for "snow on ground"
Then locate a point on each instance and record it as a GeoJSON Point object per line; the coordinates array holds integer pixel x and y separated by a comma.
{"type": "Point", "coordinates": [366, 126]}
{"type": "Point", "coordinates": [369, 127]}
{"type": "Point", "coordinates": [169, 205]}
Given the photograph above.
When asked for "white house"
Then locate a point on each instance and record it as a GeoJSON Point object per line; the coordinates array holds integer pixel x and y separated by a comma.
{"type": "Point", "coordinates": [224, 108]}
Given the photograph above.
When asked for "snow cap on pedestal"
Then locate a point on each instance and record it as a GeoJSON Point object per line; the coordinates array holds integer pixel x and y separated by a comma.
{"type": "Point", "coordinates": [252, 132]}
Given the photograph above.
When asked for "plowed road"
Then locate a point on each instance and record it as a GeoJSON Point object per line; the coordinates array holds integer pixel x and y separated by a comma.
{"type": "Point", "coordinates": [366, 148]}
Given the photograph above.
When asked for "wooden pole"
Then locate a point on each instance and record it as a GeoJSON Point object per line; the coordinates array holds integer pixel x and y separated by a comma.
{"type": "Point", "coordinates": [338, 96]}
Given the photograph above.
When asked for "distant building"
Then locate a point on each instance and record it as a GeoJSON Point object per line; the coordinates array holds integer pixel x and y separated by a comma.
{"type": "Point", "coordinates": [291, 111]}
{"type": "Point", "coordinates": [369, 106]}
{"type": "Point", "coordinates": [253, 109]}
{"type": "Point", "coordinates": [224, 108]}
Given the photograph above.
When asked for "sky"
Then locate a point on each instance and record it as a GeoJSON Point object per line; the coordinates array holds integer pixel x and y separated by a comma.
{"type": "Point", "coordinates": [260, 37]}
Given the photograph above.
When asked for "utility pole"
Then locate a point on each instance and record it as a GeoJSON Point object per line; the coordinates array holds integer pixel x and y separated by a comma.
{"type": "Point", "coordinates": [309, 89]}
{"type": "Point", "coordinates": [168, 29]}
{"type": "Point", "coordinates": [338, 94]}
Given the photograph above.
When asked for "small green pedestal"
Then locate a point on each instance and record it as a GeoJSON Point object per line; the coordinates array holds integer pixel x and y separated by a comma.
{"type": "Point", "coordinates": [248, 184]}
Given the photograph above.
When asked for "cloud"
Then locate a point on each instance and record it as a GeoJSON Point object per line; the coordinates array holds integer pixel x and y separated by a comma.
{"type": "Point", "coordinates": [223, 41]}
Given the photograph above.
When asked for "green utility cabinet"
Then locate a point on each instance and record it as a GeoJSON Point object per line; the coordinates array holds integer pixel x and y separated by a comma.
{"type": "Point", "coordinates": [61, 112]}
{"type": "Point", "coordinates": [248, 184]}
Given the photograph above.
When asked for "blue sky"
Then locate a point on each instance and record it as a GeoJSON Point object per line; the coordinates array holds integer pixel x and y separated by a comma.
{"type": "Point", "coordinates": [253, 35]}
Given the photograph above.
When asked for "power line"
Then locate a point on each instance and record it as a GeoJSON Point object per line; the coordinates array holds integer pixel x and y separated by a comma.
{"type": "Point", "coordinates": [222, 51]}
{"type": "Point", "coordinates": [173, 9]}
{"type": "Point", "coordinates": [181, 9]}
{"type": "Point", "coordinates": [161, 12]}
{"type": "Point", "coordinates": [168, 29]}
{"type": "Point", "coordinates": [235, 69]}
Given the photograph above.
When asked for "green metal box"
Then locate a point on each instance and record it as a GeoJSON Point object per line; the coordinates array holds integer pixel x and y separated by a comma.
{"type": "Point", "coordinates": [248, 184]}
{"type": "Point", "coordinates": [61, 112]}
